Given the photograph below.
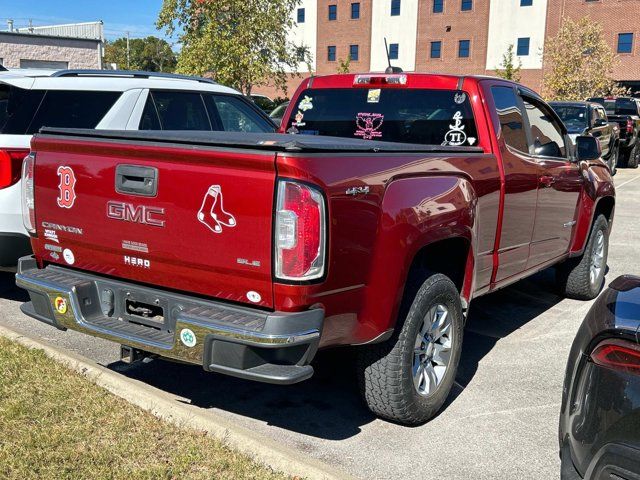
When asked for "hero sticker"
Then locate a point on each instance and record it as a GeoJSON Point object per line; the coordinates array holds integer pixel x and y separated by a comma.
{"type": "Point", "coordinates": [456, 136]}
{"type": "Point", "coordinates": [187, 337]}
{"type": "Point", "coordinates": [212, 213]}
{"type": "Point", "coordinates": [368, 125]}
{"type": "Point", "coordinates": [67, 187]}
{"type": "Point", "coordinates": [306, 104]}
{"type": "Point", "coordinates": [60, 305]}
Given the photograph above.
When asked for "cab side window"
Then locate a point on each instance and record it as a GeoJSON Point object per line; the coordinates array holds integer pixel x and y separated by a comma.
{"type": "Point", "coordinates": [510, 115]}
{"type": "Point", "coordinates": [546, 133]}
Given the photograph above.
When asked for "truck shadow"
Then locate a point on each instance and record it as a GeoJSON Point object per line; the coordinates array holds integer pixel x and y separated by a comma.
{"type": "Point", "coordinates": [9, 290]}
{"type": "Point", "coordinates": [329, 405]}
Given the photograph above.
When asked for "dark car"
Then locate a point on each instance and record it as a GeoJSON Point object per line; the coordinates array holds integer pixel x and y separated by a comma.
{"type": "Point", "coordinates": [263, 102]}
{"type": "Point", "coordinates": [278, 112]}
{"type": "Point", "coordinates": [600, 416]}
{"type": "Point", "coordinates": [590, 118]}
{"type": "Point", "coordinates": [625, 111]}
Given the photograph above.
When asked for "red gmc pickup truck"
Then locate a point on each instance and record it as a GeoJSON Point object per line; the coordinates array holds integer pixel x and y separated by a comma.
{"type": "Point", "coordinates": [385, 205]}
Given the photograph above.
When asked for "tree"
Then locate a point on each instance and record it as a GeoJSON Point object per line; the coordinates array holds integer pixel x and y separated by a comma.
{"type": "Point", "coordinates": [241, 43]}
{"type": "Point", "coordinates": [151, 54]}
{"type": "Point", "coordinates": [510, 70]}
{"type": "Point", "coordinates": [343, 65]}
{"type": "Point", "coordinates": [579, 62]}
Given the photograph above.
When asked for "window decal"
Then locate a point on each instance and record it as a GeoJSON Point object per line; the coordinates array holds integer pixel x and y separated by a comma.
{"type": "Point", "coordinates": [368, 125]}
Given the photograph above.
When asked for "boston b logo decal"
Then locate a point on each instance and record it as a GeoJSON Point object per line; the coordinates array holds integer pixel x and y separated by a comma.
{"type": "Point", "coordinates": [67, 187]}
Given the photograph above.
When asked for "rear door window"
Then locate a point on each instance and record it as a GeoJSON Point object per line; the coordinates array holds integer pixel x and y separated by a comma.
{"type": "Point", "coordinates": [181, 111]}
{"type": "Point", "coordinates": [17, 108]}
{"type": "Point", "coordinates": [72, 109]}
{"type": "Point", "coordinates": [233, 114]}
{"type": "Point", "coordinates": [420, 116]}
{"type": "Point", "coordinates": [510, 115]}
{"type": "Point", "coordinates": [546, 133]}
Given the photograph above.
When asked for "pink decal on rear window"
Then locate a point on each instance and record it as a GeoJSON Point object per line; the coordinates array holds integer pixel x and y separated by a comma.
{"type": "Point", "coordinates": [369, 125]}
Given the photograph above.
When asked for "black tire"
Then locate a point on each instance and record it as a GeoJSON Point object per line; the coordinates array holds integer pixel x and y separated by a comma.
{"type": "Point", "coordinates": [612, 161]}
{"type": "Point", "coordinates": [386, 370]}
{"type": "Point", "coordinates": [631, 157]}
{"type": "Point", "coordinates": [574, 276]}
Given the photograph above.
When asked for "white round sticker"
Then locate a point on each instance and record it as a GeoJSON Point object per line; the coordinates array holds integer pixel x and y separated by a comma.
{"type": "Point", "coordinates": [68, 256]}
{"type": "Point", "coordinates": [254, 296]}
{"type": "Point", "coordinates": [188, 337]}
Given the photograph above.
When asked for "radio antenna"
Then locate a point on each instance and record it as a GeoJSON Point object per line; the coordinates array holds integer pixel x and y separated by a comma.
{"type": "Point", "coordinates": [390, 69]}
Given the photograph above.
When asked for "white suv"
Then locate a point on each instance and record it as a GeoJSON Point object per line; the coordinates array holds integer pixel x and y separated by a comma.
{"type": "Point", "coordinates": [102, 99]}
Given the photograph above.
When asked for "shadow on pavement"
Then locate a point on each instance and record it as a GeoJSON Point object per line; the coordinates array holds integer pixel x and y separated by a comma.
{"type": "Point", "coordinates": [329, 405]}
{"type": "Point", "coordinates": [9, 290]}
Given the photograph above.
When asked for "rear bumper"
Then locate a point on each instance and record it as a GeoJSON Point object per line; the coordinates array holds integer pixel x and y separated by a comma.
{"type": "Point", "coordinates": [273, 347]}
{"type": "Point", "coordinates": [12, 247]}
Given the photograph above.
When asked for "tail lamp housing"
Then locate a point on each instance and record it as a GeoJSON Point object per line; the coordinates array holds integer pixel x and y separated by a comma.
{"type": "Point", "coordinates": [300, 232]}
{"type": "Point", "coordinates": [629, 125]}
{"type": "Point", "coordinates": [10, 165]}
{"type": "Point", "coordinates": [617, 355]}
{"type": "Point", "coordinates": [28, 197]}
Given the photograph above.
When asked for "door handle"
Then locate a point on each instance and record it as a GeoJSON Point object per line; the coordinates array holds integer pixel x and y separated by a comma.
{"type": "Point", "coordinates": [137, 180]}
{"type": "Point", "coordinates": [546, 180]}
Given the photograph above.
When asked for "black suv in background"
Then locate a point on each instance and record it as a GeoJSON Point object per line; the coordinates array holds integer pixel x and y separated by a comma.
{"type": "Point", "coordinates": [589, 118]}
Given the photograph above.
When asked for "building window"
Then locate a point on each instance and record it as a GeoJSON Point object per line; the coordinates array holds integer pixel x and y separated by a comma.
{"type": "Point", "coordinates": [625, 42]}
{"type": "Point", "coordinates": [395, 8]}
{"type": "Point", "coordinates": [438, 6]}
{"type": "Point", "coordinates": [355, 10]}
{"type": "Point", "coordinates": [436, 49]}
{"type": "Point", "coordinates": [331, 53]}
{"type": "Point", "coordinates": [301, 15]}
{"type": "Point", "coordinates": [393, 51]}
{"type": "Point", "coordinates": [466, 5]}
{"type": "Point", "coordinates": [353, 53]}
{"type": "Point", "coordinates": [464, 47]}
{"type": "Point", "coordinates": [333, 12]}
{"type": "Point", "coordinates": [523, 47]}
{"type": "Point", "coordinates": [526, 3]}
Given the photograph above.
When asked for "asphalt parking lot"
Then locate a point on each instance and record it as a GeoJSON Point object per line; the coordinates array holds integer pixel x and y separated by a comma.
{"type": "Point", "coordinates": [500, 421]}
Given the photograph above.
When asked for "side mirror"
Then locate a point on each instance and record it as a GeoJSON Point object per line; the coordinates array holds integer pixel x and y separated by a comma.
{"type": "Point", "coordinates": [599, 122]}
{"type": "Point", "coordinates": [588, 148]}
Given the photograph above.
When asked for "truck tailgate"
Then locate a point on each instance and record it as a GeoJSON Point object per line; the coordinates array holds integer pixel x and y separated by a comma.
{"type": "Point", "coordinates": [195, 219]}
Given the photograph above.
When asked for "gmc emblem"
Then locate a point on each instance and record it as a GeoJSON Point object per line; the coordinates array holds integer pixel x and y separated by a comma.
{"type": "Point", "coordinates": [136, 214]}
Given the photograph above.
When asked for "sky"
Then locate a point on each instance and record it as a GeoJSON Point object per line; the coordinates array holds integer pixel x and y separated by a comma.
{"type": "Point", "coordinates": [119, 16]}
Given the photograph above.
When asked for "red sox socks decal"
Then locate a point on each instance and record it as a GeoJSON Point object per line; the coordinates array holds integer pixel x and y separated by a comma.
{"type": "Point", "coordinates": [212, 212]}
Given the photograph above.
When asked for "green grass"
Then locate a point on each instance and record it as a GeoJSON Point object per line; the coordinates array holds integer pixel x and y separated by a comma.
{"type": "Point", "coordinates": [55, 424]}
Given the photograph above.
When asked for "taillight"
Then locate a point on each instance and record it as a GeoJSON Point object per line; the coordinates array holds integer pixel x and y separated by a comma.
{"type": "Point", "coordinates": [10, 164]}
{"type": "Point", "coordinates": [629, 125]}
{"type": "Point", "coordinates": [618, 355]}
{"type": "Point", "coordinates": [28, 203]}
{"type": "Point", "coordinates": [300, 234]}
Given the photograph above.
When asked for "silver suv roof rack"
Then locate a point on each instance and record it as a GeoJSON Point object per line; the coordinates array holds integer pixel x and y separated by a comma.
{"type": "Point", "coordinates": [129, 73]}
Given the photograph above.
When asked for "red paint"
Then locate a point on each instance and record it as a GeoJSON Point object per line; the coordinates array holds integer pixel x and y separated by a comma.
{"type": "Point", "coordinates": [496, 203]}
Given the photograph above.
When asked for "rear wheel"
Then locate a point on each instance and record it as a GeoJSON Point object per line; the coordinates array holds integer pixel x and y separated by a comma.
{"type": "Point", "coordinates": [408, 378]}
{"type": "Point", "coordinates": [582, 278]}
{"type": "Point", "coordinates": [632, 157]}
{"type": "Point", "coordinates": [612, 161]}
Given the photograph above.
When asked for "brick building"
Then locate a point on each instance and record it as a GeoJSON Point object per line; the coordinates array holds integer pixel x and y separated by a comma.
{"type": "Point", "coordinates": [57, 47]}
{"type": "Point", "coordinates": [455, 36]}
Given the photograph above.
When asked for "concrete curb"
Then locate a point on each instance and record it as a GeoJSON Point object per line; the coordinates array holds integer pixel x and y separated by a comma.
{"type": "Point", "coordinates": [168, 407]}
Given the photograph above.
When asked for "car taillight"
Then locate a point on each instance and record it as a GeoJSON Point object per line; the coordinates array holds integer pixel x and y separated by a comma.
{"type": "Point", "coordinates": [28, 203]}
{"type": "Point", "coordinates": [10, 164]}
{"type": "Point", "coordinates": [300, 232]}
{"type": "Point", "coordinates": [629, 125]}
{"type": "Point", "coordinates": [618, 355]}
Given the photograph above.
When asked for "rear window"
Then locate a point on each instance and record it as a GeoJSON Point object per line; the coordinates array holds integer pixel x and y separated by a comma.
{"type": "Point", "coordinates": [26, 111]}
{"type": "Point", "coordinates": [420, 116]}
{"type": "Point", "coordinates": [17, 108]}
{"type": "Point", "coordinates": [618, 106]}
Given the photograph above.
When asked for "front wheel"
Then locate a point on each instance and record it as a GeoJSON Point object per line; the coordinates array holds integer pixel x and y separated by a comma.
{"type": "Point", "coordinates": [632, 159]}
{"type": "Point", "coordinates": [408, 378]}
{"type": "Point", "coordinates": [582, 278]}
{"type": "Point", "coordinates": [613, 159]}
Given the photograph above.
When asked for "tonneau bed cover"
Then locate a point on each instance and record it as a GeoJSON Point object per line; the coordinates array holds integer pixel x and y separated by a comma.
{"type": "Point", "coordinates": [266, 141]}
